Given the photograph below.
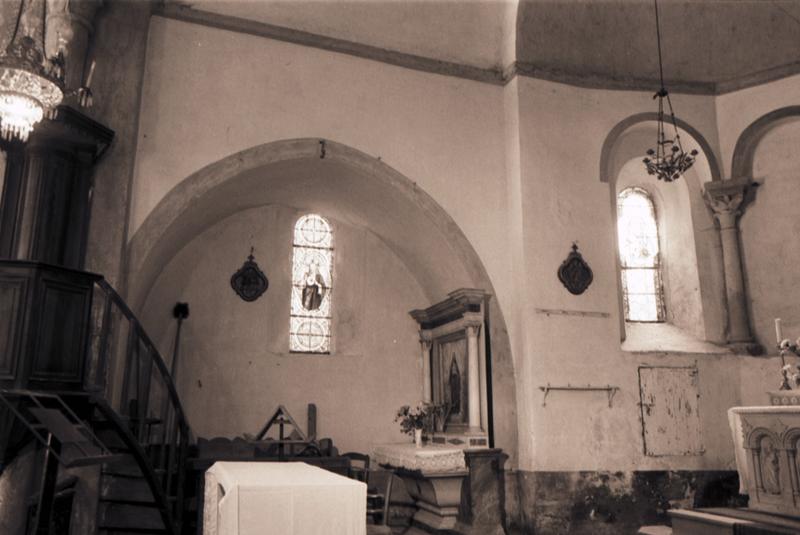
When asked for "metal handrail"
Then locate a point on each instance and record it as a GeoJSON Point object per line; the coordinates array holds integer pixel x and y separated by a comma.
{"type": "Point", "coordinates": [134, 360]}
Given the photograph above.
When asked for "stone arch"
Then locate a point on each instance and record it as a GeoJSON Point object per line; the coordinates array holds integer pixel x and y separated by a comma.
{"type": "Point", "coordinates": [775, 195]}
{"type": "Point", "coordinates": [790, 439]}
{"type": "Point", "coordinates": [607, 170]}
{"type": "Point", "coordinates": [745, 149]}
{"type": "Point", "coordinates": [408, 220]}
{"type": "Point", "coordinates": [753, 441]}
{"type": "Point", "coordinates": [629, 140]}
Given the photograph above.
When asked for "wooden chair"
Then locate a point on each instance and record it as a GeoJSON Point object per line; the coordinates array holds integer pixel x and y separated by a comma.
{"type": "Point", "coordinates": [377, 499]}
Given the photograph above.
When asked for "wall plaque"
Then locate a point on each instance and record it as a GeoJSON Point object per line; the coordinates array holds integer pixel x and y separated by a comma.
{"type": "Point", "coordinates": [249, 282]}
{"type": "Point", "coordinates": [574, 273]}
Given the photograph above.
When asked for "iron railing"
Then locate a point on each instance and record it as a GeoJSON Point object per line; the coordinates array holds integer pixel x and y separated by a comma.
{"type": "Point", "coordinates": [135, 392]}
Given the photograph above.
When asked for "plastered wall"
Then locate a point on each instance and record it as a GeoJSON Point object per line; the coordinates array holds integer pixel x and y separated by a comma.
{"type": "Point", "coordinates": [235, 367]}
{"type": "Point", "coordinates": [516, 167]}
{"type": "Point", "coordinates": [769, 228]}
{"type": "Point", "coordinates": [444, 133]}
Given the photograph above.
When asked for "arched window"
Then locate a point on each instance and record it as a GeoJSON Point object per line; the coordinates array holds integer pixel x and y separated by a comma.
{"type": "Point", "coordinates": [312, 284]}
{"type": "Point", "coordinates": [642, 290]}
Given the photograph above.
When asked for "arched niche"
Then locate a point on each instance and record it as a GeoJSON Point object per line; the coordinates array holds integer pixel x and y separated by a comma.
{"type": "Point", "coordinates": [744, 151]}
{"type": "Point", "coordinates": [766, 152]}
{"type": "Point", "coordinates": [680, 202]}
{"type": "Point", "coordinates": [348, 186]}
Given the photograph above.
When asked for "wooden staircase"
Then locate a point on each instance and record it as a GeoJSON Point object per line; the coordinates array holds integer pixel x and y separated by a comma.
{"type": "Point", "coordinates": [117, 406]}
{"type": "Point", "coordinates": [126, 502]}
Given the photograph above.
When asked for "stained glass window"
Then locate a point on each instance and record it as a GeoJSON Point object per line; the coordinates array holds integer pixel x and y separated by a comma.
{"type": "Point", "coordinates": [312, 285]}
{"type": "Point", "coordinates": [643, 293]}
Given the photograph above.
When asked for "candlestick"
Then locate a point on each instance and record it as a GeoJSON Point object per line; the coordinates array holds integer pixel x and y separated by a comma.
{"type": "Point", "coordinates": [778, 331]}
{"type": "Point", "coordinates": [91, 73]}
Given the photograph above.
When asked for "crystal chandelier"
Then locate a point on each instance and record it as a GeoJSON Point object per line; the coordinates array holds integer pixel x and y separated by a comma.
{"type": "Point", "coordinates": [30, 84]}
{"type": "Point", "coordinates": [668, 161]}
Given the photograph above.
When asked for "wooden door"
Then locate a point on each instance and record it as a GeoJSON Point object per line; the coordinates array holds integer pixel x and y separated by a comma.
{"type": "Point", "coordinates": [670, 403]}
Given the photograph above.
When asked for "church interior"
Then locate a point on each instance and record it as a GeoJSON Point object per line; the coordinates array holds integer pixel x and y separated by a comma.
{"type": "Point", "coordinates": [555, 235]}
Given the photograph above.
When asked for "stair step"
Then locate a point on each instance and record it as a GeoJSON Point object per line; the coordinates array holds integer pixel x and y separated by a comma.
{"type": "Point", "coordinates": [125, 489]}
{"type": "Point", "coordinates": [123, 516]}
{"type": "Point", "coordinates": [124, 467]}
{"type": "Point", "coordinates": [110, 438]}
{"type": "Point", "coordinates": [132, 532]}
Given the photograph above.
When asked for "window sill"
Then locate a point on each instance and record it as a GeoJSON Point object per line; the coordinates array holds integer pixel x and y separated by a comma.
{"type": "Point", "coordinates": [665, 338]}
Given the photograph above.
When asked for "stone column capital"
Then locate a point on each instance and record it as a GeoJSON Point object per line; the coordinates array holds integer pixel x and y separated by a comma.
{"type": "Point", "coordinates": [473, 329]}
{"type": "Point", "coordinates": [727, 199]}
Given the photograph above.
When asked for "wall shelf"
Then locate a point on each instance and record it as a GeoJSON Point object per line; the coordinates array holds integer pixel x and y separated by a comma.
{"type": "Point", "coordinates": [609, 390]}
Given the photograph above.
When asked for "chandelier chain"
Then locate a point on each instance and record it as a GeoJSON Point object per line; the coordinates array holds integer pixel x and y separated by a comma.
{"type": "Point", "coordinates": [667, 161]}
{"type": "Point", "coordinates": [658, 42]}
{"type": "Point", "coordinates": [16, 24]}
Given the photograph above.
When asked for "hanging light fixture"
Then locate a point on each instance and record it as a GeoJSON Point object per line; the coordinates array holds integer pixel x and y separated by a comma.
{"type": "Point", "coordinates": [31, 84]}
{"type": "Point", "coordinates": [668, 161]}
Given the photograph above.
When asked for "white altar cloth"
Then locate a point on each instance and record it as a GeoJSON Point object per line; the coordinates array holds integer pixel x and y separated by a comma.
{"type": "Point", "coordinates": [265, 498]}
{"type": "Point", "coordinates": [430, 458]}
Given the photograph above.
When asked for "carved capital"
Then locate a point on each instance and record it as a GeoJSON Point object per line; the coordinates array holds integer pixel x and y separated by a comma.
{"type": "Point", "coordinates": [727, 199]}
{"type": "Point", "coordinates": [425, 345]}
{"type": "Point", "coordinates": [473, 330]}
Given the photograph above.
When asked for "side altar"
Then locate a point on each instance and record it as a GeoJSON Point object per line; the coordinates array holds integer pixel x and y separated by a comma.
{"type": "Point", "coordinates": [456, 491]}
{"type": "Point", "coordinates": [456, 479]}
{"type": "Point", "coordinates": [454, 371]}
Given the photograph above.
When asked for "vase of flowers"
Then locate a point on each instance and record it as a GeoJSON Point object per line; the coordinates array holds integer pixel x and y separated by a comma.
{"type": "Point", "coordinates": [414, 420]}
{"type": "Point", "coordinates": [440, 413]}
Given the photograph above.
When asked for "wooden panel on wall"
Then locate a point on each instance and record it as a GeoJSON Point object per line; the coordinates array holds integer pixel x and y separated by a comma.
{"type": "Point", "coordinates": [60, 345]}
{"type": "Point", "coordinates": [12, 291]}
{"type": "Point", "coordinates": [670, 411]}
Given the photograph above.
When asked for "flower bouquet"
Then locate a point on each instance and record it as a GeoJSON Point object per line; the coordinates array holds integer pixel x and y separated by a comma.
{"type": "Point", "coordinates": [414, 420]}
{"type": "Point", "coordinates": [418, 417]}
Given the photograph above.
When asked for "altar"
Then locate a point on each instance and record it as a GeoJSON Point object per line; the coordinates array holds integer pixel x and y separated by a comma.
{"type": "Point", "coordinates": [433, 476]}
{"type": "Point", "coordinates": [457, 478]}
{"type": "Point", "coordinates": [766, 441]}
{"type": "Point", "coordinates": [456, 490]}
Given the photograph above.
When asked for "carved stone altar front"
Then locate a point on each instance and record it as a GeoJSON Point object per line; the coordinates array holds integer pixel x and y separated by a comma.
{"type": "Point", "coordinates": [766, 441]}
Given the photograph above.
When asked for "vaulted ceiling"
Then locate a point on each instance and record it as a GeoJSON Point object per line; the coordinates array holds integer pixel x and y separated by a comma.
{"type": "Point", "coordinates": [612, 42]}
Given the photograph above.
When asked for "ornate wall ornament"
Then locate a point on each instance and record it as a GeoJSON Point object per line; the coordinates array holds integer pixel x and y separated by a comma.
{"type": "Point", "coordinates": [574, 273]}
{"type": "Point", "coordinates": [249, 282]}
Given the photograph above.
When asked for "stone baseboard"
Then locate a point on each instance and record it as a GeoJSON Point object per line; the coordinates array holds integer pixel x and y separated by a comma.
{"type": "Point", "coordinates": [600, 503]}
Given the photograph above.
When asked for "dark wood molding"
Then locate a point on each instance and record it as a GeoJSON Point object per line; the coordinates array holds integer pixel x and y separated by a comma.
{"type": "Point", "coordinates": [494, 75]}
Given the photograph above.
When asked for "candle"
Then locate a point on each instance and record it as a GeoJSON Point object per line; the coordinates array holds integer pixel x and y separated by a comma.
{"type": "Point", "coordinates": [778, 332]}
{"type": "Point", "coordinates": [91, 73]}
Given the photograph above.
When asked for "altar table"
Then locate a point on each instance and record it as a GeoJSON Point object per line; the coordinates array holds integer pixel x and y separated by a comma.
{"type": "Point", "coordinates": [244, 498]}
{"type": "Point", "coordinates": [433, 476]}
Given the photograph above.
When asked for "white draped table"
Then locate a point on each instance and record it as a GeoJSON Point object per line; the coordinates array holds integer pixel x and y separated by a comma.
{"type": "Point", "coordinates": [261, 498]}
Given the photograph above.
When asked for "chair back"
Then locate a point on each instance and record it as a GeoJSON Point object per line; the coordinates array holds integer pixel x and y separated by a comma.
{"type": "Point", "coordinates": [359, 466]}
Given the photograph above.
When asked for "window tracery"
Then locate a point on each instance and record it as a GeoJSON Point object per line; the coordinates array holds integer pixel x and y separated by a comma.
{"type": "Point", "coordinates": [312, 285]}
{"type": "Point", "coordinates": [637, 229]}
